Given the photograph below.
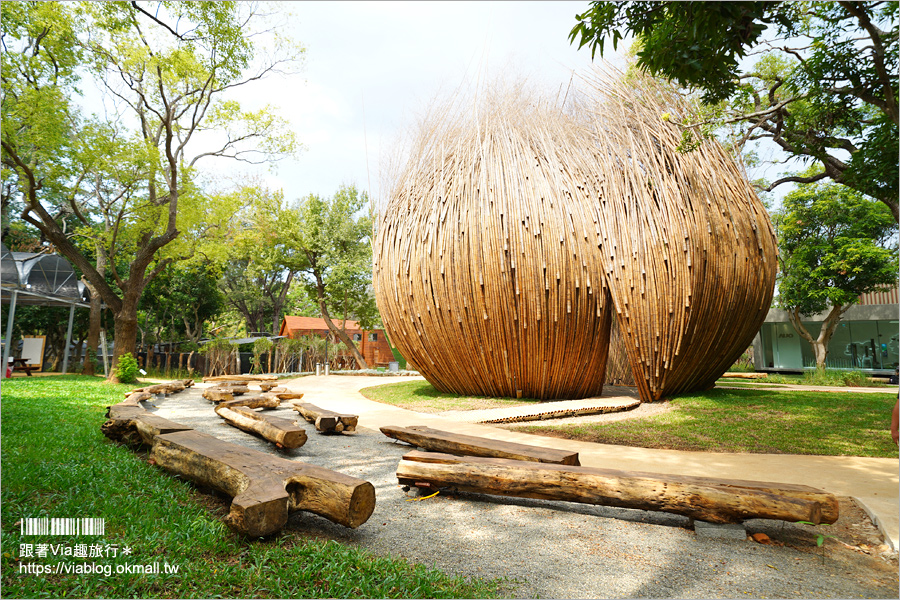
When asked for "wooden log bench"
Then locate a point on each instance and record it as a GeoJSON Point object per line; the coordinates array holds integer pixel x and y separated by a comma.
{"type": "Point", "coordinates": [281, 432]}
{"type": "Point", "coordinates": [265, 489]}
{"type": "Point", "coordinates": [470, 445]}
{"type": "Point", "coordinates": [165, 388]}
{"type": "Point", "coordinates": [263, 401]}
{"type": "Point", "coordinates": [218, 378]}
{"type": "Point", "coordinates": [327, 421]}
{"type": "Point", "coordinates": [218, 395]}
{"type": "Point", "coordinates": [701, 498]}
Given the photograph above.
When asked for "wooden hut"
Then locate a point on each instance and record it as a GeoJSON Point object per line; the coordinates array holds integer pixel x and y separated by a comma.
{"type": "Point", "coordinates": [373, 343]}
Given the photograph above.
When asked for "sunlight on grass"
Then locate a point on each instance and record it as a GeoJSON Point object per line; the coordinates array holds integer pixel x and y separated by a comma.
{"type": "Point", "coordinates": [782, 422]}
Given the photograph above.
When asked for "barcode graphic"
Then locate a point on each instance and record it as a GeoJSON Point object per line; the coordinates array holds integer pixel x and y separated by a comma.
{"type": "Point", "coordinates": [62, 526]}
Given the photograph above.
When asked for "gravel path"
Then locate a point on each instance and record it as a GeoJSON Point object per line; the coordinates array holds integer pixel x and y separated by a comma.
{"type": "Point", "coordinates": [549, 549]}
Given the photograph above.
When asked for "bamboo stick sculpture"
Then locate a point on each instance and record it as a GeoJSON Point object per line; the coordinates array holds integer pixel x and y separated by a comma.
{"type": "Point", "coordinates": [517, 231]}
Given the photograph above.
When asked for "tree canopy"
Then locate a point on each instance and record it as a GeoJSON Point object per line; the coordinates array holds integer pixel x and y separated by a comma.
{"type": "Point", "coordinates": [835, 245]}
{"type": "Point", "coordinates": [335, 235]}
{"type": "Point", "coordinates": [823, 86]}
{"type": "Point", "coordinates": [130, 177]}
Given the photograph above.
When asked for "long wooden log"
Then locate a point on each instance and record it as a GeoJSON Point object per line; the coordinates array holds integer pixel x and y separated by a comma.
{"type": "Point", "coordinates": [280, 432]}
{"type": "Point", "coordinates": [326, 421]}
{"type": "Point", "coordinates": [705, 499]}
{"type": "Point", "coordinates": [287, 395]}
{"type": "Point", "coordinates": [265, 488]}
{"type": "Point", "coordinates": [241, 378]}
{"type": "Point", "coordinates": [263, 401]}
{"type": "Point", "coordinates": [135, 398]}
{"type": "Point", "coordinates": [235, 390]}
{"type": "Point", "coordinates": [745, 375]}
{"type": "Point", "coordinates": [470, 445]}
{"type": "Point", "coordinates": [171, 387]}
{"type": "Point", "coordinates": [217, 395]}
{"type": "Point", "coordinates": [128, 422]}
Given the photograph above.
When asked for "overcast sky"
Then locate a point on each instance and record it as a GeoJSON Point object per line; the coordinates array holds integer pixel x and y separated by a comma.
{"type": "Point", "coordinates": [371, 67]}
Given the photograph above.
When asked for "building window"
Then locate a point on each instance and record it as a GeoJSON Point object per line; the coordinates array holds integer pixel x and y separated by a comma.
{"type": "Point", "coordinates": [357, 337]}
{"type": "Point", "coordinates": [373, 337]}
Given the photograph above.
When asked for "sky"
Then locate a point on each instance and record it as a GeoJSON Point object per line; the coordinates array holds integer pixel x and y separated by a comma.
{"type": "Point", "coordinates": [372, 67]}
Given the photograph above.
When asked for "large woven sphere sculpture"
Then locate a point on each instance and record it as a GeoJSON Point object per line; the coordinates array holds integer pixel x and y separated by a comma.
{"type": "Point", "coordinates": [688, 249]}
{"type": "Point", "coordinates": [487, 272]}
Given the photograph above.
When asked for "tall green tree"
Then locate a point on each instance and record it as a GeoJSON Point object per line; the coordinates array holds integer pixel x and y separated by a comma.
{"type": "Point", "coordinates": [261, 263]}
{"type": "Point", "coordinates": [835, 244]}
{"type": "Point", "coordinates": [182, 299]}
{"type": "Point", "coordinates": [168, 69]}
{"type": "Point", "coordinates": [824, 89]}
{"type": "Point", "coordinates": [335, 236]}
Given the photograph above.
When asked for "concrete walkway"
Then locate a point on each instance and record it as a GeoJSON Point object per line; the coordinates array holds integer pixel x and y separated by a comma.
{"type": "Point", "coordinates": [872, 482]}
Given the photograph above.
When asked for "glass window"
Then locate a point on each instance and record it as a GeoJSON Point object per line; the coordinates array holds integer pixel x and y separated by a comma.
{"type": "Point", "coordinates": [864, 335]}
{"type": "Point", "coordinates": [373, 337]}
{"type": "Point", "coordinates": [888, 335]}
{"type": "Point", "coordinates": [357, 337]}
{"type": "Point", "coordinates": [842, 352]}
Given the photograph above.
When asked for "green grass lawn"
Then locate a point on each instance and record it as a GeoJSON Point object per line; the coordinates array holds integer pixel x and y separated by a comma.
{"type": "Point", "coordinates": [782, 422]}
{"type": "Point", "coordinates": [421, 396]}
{"type": "Point", "coordinates": [56, 463]}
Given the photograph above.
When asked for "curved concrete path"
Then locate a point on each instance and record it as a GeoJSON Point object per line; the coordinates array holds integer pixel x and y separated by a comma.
{"type": "Point", "coordinates": [873, 482]}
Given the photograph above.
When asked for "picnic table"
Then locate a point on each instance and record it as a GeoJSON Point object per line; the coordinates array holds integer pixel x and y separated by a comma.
{"type": "Point", "coordinates": [21, 364]}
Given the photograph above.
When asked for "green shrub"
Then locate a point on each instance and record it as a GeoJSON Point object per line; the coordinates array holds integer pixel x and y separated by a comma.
{"type": "Point", "coordinates": [127, 368]}
{"type": "Point", "coordinates": [744, 364]}
{"type": "Point", "coordinates": [834, 377]}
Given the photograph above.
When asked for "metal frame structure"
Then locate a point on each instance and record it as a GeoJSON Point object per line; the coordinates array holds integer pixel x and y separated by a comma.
{"type": "Point", "coordinates": [38, 279]}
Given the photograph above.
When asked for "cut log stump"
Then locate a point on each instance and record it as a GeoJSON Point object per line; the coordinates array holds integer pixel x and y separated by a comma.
{"type": "Point", "coordinates": [470, 445]}
{"type": "Point", "coordinates": [701, 498]}
{"type": "Point", "coordinates": [264, 488]}
{"type": "Point", "coordinates": [287, 395]}
{"type": "Point", "coordinates": [281, 432]}
{"type": "Point", "coordinates": [327, 421]}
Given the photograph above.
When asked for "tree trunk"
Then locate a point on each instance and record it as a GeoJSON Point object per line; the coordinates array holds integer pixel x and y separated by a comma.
{"type": "Point", "coordinates": [829, 325]}
{"type": "Point", "coordinates": [320, 293]}
{"type": "Point", "coordinates": [125, 339]}
{"type": "Point", "coordinates": [701, 498]}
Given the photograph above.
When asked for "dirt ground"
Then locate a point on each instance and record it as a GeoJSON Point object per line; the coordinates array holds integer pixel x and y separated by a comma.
{"type": "Point", "coordinates": [853, 540]}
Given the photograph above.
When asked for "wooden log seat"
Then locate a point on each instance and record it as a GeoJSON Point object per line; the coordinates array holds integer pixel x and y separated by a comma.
{"type": "Point", "coordinates": [218, 395]}
{"type": "Point", "coordinates": [218, 378]}
{"type": "Point", "coordinates": [701, 498]}
{"type": "Point", "coordinates": [171, 387]}
{"type": "Point", "coordinates": [281, 432]}
{"type": "Point", "coordinates": [263, 401]}
{"type": "Point", "coordinates": [265, 489]}
{"type": "Point", "coordinates": [327, 421]}
{"type": "Point", "coordinates": [469, 445]}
